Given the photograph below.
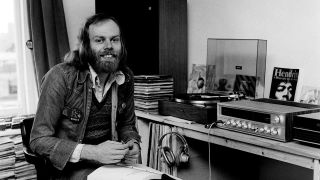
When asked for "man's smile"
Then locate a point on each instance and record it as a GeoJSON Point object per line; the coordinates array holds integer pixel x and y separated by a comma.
{"type": "Point", "coordinates": [108, 57]}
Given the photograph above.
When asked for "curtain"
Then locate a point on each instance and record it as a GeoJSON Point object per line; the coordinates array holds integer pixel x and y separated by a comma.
{"type": "Point", "coordinates": [48, 32]}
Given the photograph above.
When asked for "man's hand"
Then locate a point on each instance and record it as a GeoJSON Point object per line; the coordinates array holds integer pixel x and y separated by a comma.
{"type": "Point", "coordinates": [133, 154]}
{"type": "Point", "coordinates": [108, 152]}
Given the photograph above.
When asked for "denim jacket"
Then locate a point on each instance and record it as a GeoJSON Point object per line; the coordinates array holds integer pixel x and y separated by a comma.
{"type": "Point", "coordinates": [63, 111]}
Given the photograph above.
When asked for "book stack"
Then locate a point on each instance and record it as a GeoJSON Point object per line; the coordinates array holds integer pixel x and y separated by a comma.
{"type": "Point", "coordinates": [7, 158]}
{"type": "Point", "coordinates": [149, 89]}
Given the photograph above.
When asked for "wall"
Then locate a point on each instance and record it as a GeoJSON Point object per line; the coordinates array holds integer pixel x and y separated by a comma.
{"type": "Point", "coordinates": [75, 15]}
{"type": "Point", "coordinates": [291, 27]}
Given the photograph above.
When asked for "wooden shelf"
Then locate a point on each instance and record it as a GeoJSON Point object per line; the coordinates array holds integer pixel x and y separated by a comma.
{"type": "Point", "coordinates": [289, 152]}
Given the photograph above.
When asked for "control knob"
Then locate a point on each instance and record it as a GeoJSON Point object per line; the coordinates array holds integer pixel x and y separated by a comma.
{"type": "Point", "coordinates": [244, 125]}
{"type": "Point", "coordinates": [274, 131]}
{"type": "Point", "coordinates": [233, 123]}
{"type": "Point", "coordinates": [228, 123]}
{"type": "Point", "coordinates": [239, 124]}
{"type": "Point", "coordinates": [261, 130]}
{"type": "Point", "coordinates": [253, 127]}
{"type": "Point", "coordinates": [267, 130]}
{"type": "Point", "coordinates": [249, 126]}
{"type": "Point", "coordinates": [277, 119]}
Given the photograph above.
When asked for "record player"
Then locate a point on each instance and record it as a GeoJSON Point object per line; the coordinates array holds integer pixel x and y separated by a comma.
{"type": "Point", "coordinates": [198, 107]}
{"type": "Point", "coordinates": [235, 69]}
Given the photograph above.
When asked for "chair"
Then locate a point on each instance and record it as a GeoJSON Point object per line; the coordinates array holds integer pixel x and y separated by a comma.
{"type": "Point", "coordinates": [31, 157]}
{"type": "Point", "coordinates": [40, 164]}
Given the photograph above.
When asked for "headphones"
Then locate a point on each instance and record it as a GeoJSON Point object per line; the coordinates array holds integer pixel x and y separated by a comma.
{"type": "Point", "coordinates": [167, 154]}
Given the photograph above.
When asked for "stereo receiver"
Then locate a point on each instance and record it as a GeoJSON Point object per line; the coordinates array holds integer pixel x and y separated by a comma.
{"type": "Point", "coordinates": [306, 128]}
{"type": "Point", "coordinates": [266, 118]}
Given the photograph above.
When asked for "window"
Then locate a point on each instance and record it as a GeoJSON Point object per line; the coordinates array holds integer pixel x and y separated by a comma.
{"type": "Point", "coordinates": [18, 92]}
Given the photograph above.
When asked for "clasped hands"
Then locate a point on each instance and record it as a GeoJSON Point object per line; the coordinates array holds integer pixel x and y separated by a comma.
{"type": "Point", "coordinates": [111, 152]}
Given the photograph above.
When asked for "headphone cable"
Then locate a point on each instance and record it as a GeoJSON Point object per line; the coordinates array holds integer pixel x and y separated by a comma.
{"type": "Point", "coordinates": [214, 124]}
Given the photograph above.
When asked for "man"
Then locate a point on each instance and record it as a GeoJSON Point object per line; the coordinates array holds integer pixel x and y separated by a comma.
{"type": "Point", "coordinates": [73, 127]}
{"type": "Point", "coordinates": [284, 91]}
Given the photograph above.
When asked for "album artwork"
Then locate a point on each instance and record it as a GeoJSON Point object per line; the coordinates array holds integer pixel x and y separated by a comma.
{"type": "Point", "coordinates": [245, 84]}
{"type": "Point", "coordinates": [211, 75]}
{"type": "Point", "coordinates": [197, 79]}
{"type": "Point", "coordinates": [284, 83]}
{"type": "Point", "coordinates": [201, 79]}
{"type": "Point", "coordinates": [224, 83]}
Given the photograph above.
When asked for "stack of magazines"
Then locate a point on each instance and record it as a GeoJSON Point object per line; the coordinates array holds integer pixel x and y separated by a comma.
{"type": "Point", "coordinates": [12, 122]}
{"type": "Point", "coordinates": [5, 122]}
{"type": "Point", "coordinates": [22, 169]}
{"type": "Point", "coordinates": [13, 164]}
{"type": "Point", "coordinates": [7, 158]}
{"type": "Point", "coordinates": [149, 89]}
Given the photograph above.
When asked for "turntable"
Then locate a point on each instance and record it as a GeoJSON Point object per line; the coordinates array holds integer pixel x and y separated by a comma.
{"type": "Point", "coordinates": [197, 107]}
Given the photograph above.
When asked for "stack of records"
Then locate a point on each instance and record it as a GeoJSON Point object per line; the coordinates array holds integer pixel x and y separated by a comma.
{"type": "Point", "coordinates": [149, 89]}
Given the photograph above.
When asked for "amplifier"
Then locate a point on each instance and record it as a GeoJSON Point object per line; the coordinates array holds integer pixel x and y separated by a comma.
{"type": "Point", "coordinates": [266, 118]}
{"type": "Point", "coordinates": [306, 128]}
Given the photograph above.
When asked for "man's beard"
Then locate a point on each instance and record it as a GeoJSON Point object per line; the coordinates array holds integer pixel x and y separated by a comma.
{"type": "Point", "coordinates": [102, 62]}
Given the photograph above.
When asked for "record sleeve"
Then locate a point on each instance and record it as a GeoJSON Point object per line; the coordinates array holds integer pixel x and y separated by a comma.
{"type": "Point", "coordinates": [284, 83]}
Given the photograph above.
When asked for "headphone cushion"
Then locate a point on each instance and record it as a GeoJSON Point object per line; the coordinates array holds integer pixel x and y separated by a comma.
{"type": "Point", "coordinates": [168, 156]}
{"type": "Point", "coordinates": [183, 156]}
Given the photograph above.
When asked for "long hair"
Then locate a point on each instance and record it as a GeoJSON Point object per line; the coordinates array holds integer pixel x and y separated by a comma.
{"type": "Point", "coordinates": [83, 54]}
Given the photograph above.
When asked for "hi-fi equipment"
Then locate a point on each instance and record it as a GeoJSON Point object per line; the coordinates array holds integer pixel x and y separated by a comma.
{"type": "Point", "coordinates": [168, 155]}
{"type": "Point", "coordinates": [266, 118]}
{"type": "Point", "coordinates": [306, 128]}
{"type": "Point", "coordinates": [197, 107]}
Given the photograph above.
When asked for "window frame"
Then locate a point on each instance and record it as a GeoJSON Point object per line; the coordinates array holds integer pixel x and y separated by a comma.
{"type": "Point", "coordinates": [26, 80]}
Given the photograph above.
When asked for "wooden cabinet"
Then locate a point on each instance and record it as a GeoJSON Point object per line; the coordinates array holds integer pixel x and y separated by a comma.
{"type": "Point", "coordinates": [155, 34]}
{"type": "Point", "coordinates": [234, 155]}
